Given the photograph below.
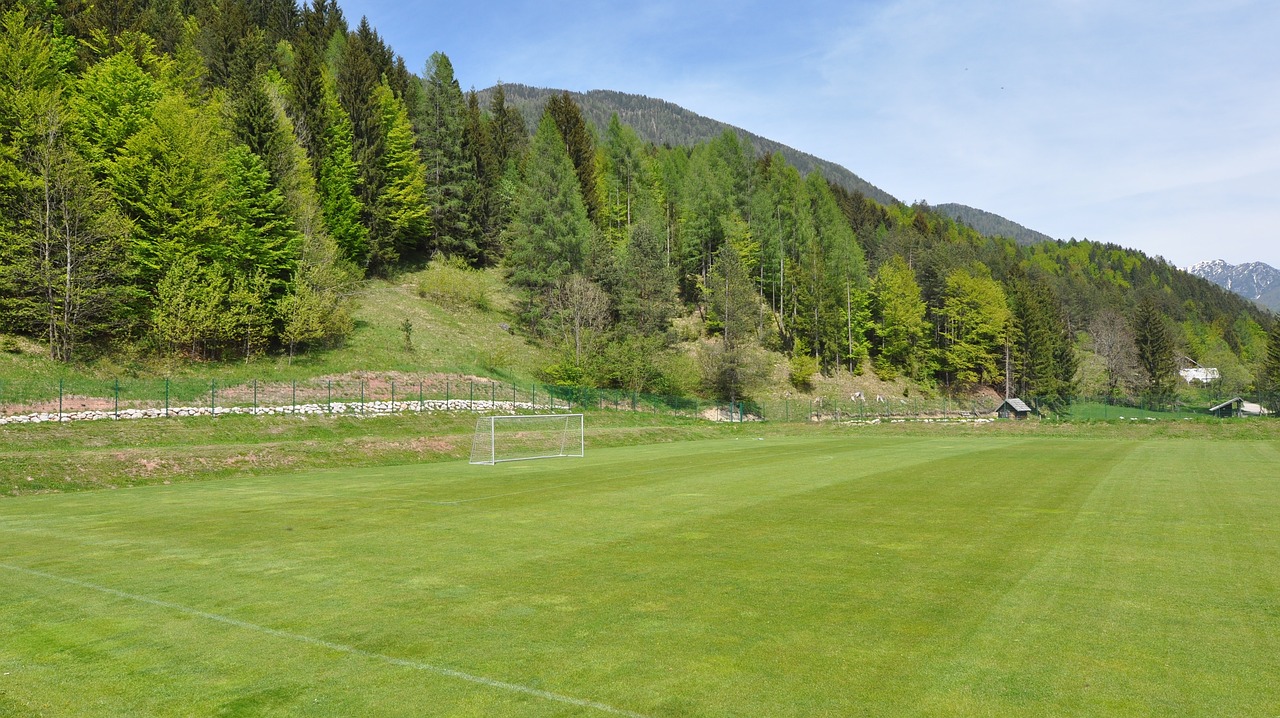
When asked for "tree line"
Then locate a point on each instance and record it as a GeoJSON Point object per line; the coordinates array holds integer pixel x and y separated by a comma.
{"type": "Point", "coordinates": [215, 179]}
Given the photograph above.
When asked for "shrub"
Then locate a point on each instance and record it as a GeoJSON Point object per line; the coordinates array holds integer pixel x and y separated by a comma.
{"type": "Point", "coordinates": [803, 369]}
{"type": "Point", "coordinates": [450, 282]}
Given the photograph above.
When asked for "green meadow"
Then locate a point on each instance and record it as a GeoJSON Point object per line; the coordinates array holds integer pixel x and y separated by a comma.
{"type": "Point", "coordinates": [878, 572]}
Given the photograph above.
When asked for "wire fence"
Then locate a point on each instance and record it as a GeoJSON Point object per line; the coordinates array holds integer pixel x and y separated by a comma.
{"type": "Point", "coordinates": [78, 398]}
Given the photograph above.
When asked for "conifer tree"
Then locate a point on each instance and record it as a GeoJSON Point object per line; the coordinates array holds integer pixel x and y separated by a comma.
{"type": "Point", "coordinates": [647, 290]}
{"type": "Point", "coordinates": [623, 178]}
{"type": "Point", "coordinates": [401, 213]}
{"type": "Point", "coordinates": [259, 235]}
{"type": "Point", "coordinates": [339, 176]}
{"type": "Point", "coordinates": [548, 237]}
{"type": "Point", "coordinates": [167, 179]}
{"type": "Point", "coordinates": [506, 142]}
{"type": "Point", "coordinates": [581, 146]}
{"type": "Point", "coordinates": [733, 305]}
{"type": "Point", "coordinates": [1155, 351]}
{"type": "Point", "coordinates": [1269, 379]}
{"type": "Point", "coordinates": [452, 184]}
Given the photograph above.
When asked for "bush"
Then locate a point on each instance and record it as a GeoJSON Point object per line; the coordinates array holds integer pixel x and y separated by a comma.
{"type": "Point", "coordinates": [803, 369]}
{"type": "Point", "coordinates": [450, 282]}
{"type": "Point", "coordinates": [9, 345]}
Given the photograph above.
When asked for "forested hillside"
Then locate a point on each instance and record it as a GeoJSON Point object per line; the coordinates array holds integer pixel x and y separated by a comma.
{"type": "Point", "coordinates": [992, 225]}
{"type": "Point", "coordinates": [662, 123]}
{"type": "Point", "coordinates": [215, 181]}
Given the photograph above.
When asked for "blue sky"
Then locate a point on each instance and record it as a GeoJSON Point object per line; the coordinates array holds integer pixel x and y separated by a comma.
{"type": "Point", "coordinates": [1153, 125]}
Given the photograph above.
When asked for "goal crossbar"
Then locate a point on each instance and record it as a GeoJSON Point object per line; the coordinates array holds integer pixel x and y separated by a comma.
{"type": "Point", "coordinates": [521, 437]}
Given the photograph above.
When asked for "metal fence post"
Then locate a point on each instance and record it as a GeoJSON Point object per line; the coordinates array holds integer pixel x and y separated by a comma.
{"type": "Point", "coordinates": [59, 401]}
{"type": "Point", "coordinates": [420, 406]}
{"type": "Point", "coordinates": [362, 397]}
{"type": "Point", "coordinates": [471, 401]}
{"type": "Point", "coordinates": [255, 397]}
{"type": "Point", "coordinates": [117, 401]}
{"type": "Point", "coordinates": [329, 398]}
{"type": "Point", "coordinates": [294, 397]}
{"type": "Point", "coordinates": [213, 398]}
{"type": "Point", "coordinates": [166, 397]}
{"type": "Point", "coordinates": [393, 396]}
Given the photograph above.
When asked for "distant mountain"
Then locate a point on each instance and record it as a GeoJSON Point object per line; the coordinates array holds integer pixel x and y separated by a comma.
{"type": "Point", "coordinates": [662, 122]}
{"type": "Point", "coordinates": [992, 225]}
{"type": "Point", "coordinates": [1253, 280]}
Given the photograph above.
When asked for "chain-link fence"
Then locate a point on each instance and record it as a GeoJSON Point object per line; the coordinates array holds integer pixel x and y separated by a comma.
{"type": "Point", "coordinates": [78, 398]}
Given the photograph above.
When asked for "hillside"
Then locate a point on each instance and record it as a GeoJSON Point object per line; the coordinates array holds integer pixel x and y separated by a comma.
{"type": "Point", "coordinates": [991, 225]}
{"type": "Point", "coordinates": [664, 123]}
{"type": "Point", "coordinates": [1252, 280]}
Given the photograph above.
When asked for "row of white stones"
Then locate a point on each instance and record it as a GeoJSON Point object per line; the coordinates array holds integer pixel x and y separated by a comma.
{"type": "Point", "coordinates": [368, 408]}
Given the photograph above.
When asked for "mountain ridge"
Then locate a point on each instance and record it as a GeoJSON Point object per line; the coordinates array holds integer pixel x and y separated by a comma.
{"type": "Point", "coordinates": [1257, 281]}
{"type": "Point", "coordinates": [662, 122]}
{"type": "Point", "coordinates": [992, 224]}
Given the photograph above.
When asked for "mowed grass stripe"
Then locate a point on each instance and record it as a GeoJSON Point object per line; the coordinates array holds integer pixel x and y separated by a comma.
{"type": "Point", "coordinates": [335, 647]}
{"type": "Point", "coordinates": [1151, 602]}
{"type": "Point", "coordinates": [861, 575]}
{"type": "Point", "coordinates": [193, 547]}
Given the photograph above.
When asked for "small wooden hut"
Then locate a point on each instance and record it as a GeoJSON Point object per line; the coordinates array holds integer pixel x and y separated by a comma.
{"type": "Point", "coordinates": [1014, 408]}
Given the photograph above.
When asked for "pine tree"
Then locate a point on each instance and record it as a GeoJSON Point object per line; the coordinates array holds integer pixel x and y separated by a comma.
{"type": "Point", "coordinates": [402, 219]}
{"type": "Point", "coordinates": [260, 236]}
{"type": "Point", "coordinates": [623, 178]}
{"type": "Point", "coordinates": [548, 237]}
{"type": "Point", "coordinates": [1044, 360]}
{"type": "Point", "coordinates": [505, 143]}
{"type": "Point", "coordinates": [1269, 379]}
{"type": "Point", "coordinates": [581, 146]}
{"type": "Point", "coordinates": [452, 184]}
{"type": "Point", "coordinates": [733, 305]}
{"type": "Point", "coordinates": [647, 291]}
{"type": "Point", "coordinates": [339, 177]}
{"type": "Point", "coordinates": [1155, 352]}
{"type": "Point", "coordinates": [167, 179]}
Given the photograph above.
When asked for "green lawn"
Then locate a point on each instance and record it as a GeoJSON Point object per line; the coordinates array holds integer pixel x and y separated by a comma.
{"type": "Point", "coordinates": [945, 572]}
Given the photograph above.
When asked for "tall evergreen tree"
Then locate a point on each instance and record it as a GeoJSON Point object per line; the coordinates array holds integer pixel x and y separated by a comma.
{"type": "Point", "coordinates": [259, 234]}
{"type": "Point", "coordinates": [549, 234]}
{"type": "Point", "coordinates": [505, 144]}
{"type": "Point", "coordinates": [647, 289]}
{"type": "Point", "coordinates": [581, 146]}
{"type": "Point", "coordinates": [339, 179]}
{"type": "Point", "coordinates": [1156, 358]}
{"type": "Point", "coordinates": [402, 218]}
{"type": "Point", "coordinates": [452, 184]}
{"type": "Point", "coordinates": [1042, 349]}
{"type": "Point", "coordinates": [1269, 379]}
{"type": "Point", "coordinates": [733, 305]}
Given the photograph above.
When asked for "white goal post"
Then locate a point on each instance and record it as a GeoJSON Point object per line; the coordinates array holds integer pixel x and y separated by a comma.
{"type": "Point", "coordinates": [527, 436]}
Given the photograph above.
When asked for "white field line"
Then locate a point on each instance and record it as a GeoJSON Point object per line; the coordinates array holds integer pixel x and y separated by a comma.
{"type": "Point", "coordinates": [338, 647]}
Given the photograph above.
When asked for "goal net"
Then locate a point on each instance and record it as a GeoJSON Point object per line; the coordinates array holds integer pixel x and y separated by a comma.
{"type": "Point", "coordinates": [533, 436]}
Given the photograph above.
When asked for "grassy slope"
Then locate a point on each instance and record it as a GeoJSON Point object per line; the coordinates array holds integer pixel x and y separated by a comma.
{"type": "Point", "coordinates": [891, 572]}
{"type": "Point", "coordinates": [458, 340]}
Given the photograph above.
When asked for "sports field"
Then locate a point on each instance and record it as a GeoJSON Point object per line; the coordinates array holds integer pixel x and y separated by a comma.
{"type": "Point", "coordinates": [867, 574]}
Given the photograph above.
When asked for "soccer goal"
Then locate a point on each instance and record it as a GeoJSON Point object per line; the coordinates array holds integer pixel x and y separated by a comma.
{"type": "Point", "coordinates": [533, 436]}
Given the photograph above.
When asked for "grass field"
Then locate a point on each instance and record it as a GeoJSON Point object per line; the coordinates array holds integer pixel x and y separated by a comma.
{"type": "Point", "coordinates": [945, 572]}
